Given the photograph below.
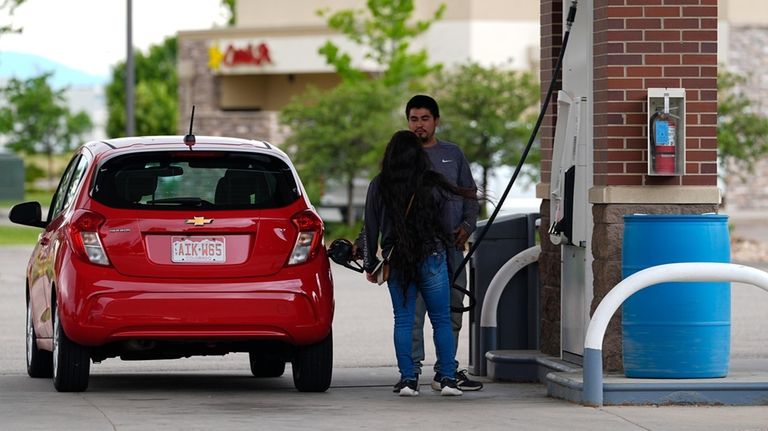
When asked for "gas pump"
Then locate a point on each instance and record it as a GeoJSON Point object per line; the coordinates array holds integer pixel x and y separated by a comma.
{"type": "Point", "coordinates": [570, 213]}
{"type": "Point", "coordinates": [568, 184]}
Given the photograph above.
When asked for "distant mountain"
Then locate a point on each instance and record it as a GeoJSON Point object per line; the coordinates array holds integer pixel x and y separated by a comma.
{"type": "Point", "coordinates": [23, 66]}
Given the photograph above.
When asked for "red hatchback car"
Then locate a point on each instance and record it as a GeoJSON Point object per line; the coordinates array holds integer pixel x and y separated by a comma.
{"type": "Point", "coordinates": [157, 249]}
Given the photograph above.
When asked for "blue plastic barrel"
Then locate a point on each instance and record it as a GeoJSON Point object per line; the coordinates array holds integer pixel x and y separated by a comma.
{"type": "Point", "coordinates": [676, 330]}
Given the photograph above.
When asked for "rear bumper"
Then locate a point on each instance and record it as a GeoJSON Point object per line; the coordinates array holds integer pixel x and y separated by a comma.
{"type": "Point", "coordinates": [98, 307]}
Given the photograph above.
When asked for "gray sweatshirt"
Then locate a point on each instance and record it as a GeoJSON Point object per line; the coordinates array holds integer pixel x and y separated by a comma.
{"type": "Point", "coordinates": [449, 160]}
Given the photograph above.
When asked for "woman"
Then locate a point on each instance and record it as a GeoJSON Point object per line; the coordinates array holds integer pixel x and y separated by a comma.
{"type": "Point", "coordinates": [404, 206]}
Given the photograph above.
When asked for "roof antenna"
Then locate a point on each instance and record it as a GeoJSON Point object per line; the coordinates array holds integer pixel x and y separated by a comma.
{"type": "Point", "coordinates": [189, 139]}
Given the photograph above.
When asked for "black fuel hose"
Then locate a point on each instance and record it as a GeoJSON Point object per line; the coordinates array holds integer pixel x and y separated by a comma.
{"type": "Point", "coordinates": [481, 235]}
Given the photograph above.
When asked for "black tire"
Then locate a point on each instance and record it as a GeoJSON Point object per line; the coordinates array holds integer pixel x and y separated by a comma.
{"type": "Point", "coordinates": [71, 361]}
{"type": "Point", "coordinates": [39, 362]}
{"type": "Point", "coordinates": [313, 366]}
{"type": "Point", "coordinates": [266, 365]}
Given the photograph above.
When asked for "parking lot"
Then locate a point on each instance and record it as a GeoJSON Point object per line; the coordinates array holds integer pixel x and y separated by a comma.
{"type": "Point", "coordinates": [219, 392]}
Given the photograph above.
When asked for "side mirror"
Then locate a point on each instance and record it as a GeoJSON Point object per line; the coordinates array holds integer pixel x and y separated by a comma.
{"type": "Point", "coordinates": [27, 214]}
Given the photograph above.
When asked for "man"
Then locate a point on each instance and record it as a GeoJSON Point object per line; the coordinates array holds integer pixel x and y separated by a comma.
{"type": "Point", "coordinates": [423, 115]}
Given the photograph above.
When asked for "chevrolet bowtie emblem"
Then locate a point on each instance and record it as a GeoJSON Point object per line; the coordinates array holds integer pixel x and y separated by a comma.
{"type": "Point", "coordinates": [199, 221]}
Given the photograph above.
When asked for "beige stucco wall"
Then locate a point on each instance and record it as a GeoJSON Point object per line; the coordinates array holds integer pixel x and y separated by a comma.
{"type": "Point", "coordinates": [269, 13]}
{"type": "Point", "coordinates": [743, 12]}
{"type": "Point", "coordinates": [268, 92]}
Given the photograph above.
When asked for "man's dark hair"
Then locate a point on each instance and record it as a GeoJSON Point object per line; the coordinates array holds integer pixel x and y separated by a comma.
{"type": "Point", "coordinates": [422, 101]}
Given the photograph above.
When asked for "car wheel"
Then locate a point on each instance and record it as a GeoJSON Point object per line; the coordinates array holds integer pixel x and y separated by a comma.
{"type": "Point", "coordinates": [39, 362]}
{"type": "Point", "coordinates": [71, 361]}
{"type": "Point", "coordinates": [266, 365]}
{"type": "Point", "coordinates": [313, 366]}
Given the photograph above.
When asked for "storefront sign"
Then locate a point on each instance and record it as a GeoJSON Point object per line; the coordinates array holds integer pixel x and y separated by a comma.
{"type": "Point", "coordinates": [238, 55]}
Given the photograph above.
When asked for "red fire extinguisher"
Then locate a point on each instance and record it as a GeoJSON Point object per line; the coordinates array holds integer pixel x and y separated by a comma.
{"type": "Point", "coordinates": [663, 132]}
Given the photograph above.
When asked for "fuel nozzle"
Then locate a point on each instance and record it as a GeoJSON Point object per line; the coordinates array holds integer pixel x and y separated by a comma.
{"type": "Point", "coordinates": [340, 252]}
{"type": "Point", "coordinates": [571, 15]}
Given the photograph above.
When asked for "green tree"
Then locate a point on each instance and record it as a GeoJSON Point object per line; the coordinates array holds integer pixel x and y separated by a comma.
{"type": "Point", "coordinates": [35, 119]}
{"type": "Point", "coordinates": [384, 31]}
{"type": "Point", "coordinates": [490, 112]}
{"type": "Point", "coordinates": [10, 6]}
{"type": "Point", "coordinates": [335, 132]}
{"type": "Point", "coordinates": [231, 8]}
{"type": "Point", "coordinates": [341, 133]}
{"type": "Point", "coordinates": [742, 131]}
{"type": "Point", "coordinates": [155, 103]}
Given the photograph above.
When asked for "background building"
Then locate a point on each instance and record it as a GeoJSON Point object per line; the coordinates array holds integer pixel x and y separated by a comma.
{"type": "Point", "coordinates": [743, 49]}
{"type": "Point", "coordinates": [240, 77]}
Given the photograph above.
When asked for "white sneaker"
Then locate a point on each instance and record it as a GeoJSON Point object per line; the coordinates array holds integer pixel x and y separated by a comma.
{"type": "Point", "coordinates": [410, 388]}
{"type": "Point", "coordinates": [448, 388]}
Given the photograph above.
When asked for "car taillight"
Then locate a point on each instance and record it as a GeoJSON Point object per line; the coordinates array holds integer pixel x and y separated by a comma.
{"type": "Point", "coordinates": [310, 229]}
{"type": "Point", "coordinates": [84, 234]}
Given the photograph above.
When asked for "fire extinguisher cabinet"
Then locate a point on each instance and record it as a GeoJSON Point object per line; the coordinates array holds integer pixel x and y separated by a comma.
{"type": "Point", "coordinates": [666, 131]}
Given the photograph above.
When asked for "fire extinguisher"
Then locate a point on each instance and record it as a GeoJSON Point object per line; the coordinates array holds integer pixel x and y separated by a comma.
{"type": "Point", "coordinates": [663, 131]}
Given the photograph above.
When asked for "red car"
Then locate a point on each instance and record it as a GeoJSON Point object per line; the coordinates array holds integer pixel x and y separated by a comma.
{"type": "Point", "coordinates": [154, 248]}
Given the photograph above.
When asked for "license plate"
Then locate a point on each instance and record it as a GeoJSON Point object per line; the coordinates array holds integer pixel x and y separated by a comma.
{"type": "Point", "coordinates": [198, 249]}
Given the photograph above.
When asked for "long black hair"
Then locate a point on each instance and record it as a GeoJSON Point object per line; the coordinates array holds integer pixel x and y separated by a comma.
{"type": "Point", "coordinates": [407, 178]}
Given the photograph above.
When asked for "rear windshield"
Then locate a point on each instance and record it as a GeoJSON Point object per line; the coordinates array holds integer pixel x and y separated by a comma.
{"type": "Point", "coordinates": [185, 180]}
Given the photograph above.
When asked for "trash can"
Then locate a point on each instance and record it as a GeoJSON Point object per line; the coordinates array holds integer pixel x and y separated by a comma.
{"type": "Point", "coordinates": [12, 180]}
{"type": "Point", "coordinates": [676, 330]}
{"type": "Point", "coordinates": [518, 307]}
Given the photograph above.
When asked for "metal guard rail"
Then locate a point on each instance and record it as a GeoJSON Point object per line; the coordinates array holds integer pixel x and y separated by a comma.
{"type": "Point", "coordinates": [689, 271]}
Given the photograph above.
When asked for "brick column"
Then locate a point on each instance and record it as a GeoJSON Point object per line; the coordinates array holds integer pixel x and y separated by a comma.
{"type": "Point", "coordinates": [549, 259]}
{"type": "Point", "coordinates": [639, 44]}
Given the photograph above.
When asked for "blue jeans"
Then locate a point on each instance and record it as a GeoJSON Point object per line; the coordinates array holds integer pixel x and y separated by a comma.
{"type": "Point", "coordinates": [457, 300]}
{"type": "Point", "coordinates": [435, 290]}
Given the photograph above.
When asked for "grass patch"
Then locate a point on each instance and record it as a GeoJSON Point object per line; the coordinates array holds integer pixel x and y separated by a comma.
{"type": "Point", "coordinates": [18, 235]}
{"type": "Point", "coordinates": [42, 196]}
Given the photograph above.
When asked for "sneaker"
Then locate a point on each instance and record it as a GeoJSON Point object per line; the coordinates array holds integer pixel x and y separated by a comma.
{"type": "Point", "coordinates": [448, 388]}
{"type": "Point", "coordinates": [407, 388]}
{"type": "Point", "coordinates": [465, 384]}
{"type": "Point", "coordinates": [401, 383]}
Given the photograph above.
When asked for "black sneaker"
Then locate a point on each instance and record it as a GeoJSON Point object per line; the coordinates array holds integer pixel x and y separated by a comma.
{"type": "Point", "coordinates": [448, 388]}
{"type": "Point", "coordinates": [465, 384]}
{"type": "Point", "coordinates": [407, 388]}
{"type": "Point", "coordinates": [399, 385]}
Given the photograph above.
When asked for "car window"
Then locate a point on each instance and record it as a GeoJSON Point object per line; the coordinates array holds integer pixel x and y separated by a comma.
{"type": "Point", "coordinates": [74, 183]}
{"type": "Point", "coordinates": [60, 198]}
{"type": "Point", "coordinates": [184, 180]}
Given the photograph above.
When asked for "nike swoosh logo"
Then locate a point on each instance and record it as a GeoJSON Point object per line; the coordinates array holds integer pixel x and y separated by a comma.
{"type": "Point", "coordinates": [447, 161]}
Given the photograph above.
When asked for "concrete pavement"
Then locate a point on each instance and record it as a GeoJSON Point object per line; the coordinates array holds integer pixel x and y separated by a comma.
{"type": "Point", "coordinates": [219, 392]}
{"type": "Point", "coordinates": [359, 399]}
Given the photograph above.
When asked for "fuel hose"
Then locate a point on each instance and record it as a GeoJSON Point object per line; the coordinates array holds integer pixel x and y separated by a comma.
{"type": "Point", "coordinates": [558, 65]}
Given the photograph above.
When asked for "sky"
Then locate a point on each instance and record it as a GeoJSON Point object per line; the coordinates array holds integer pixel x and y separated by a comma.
{"type": "Point", "coordinates": [90, 35]}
